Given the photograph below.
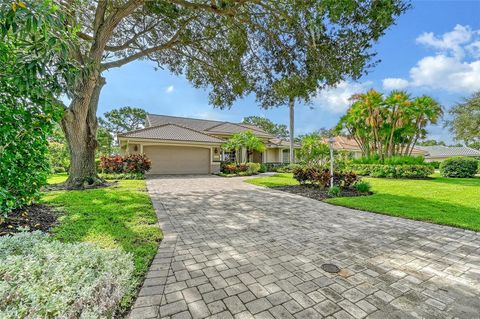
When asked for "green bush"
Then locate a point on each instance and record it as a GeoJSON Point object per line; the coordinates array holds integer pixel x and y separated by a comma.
{"type": "Point", "coordinates": [275, 167]}
{"type": "Point", "coordinates": [44, 278]}
{"type": "Point", "coordinates": [253, 168]}
{"type": "Point", "coordinates": [393, 160]}
{"type": "Point", "coordinates": [392, 171]}
{"type": "Point", "coordinates": [334, 191]}
{"type": "Point", "coordinates": [321, 176]}
{"type": "Point", "coordinates": [434, 164]}
{"type": "Point", "coordinates": [362, 187]}
{"type": "Point", "coordinates": [459, 167]}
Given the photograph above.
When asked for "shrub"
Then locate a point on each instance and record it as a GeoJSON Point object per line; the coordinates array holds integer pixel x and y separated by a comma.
{"type": "Point", "coordinates": [134, 163]}
{"type": "Point", "coordinates": [392, 171]}
{"type": "Point", "coordinates": [321, 176]}
{"type": "Point", "coordinates": [253, 168]}
{"type": "Point", "coordinates": [362, 187]}
{"type": "Point", "coordinates": [275, 167]}
{"type": "Point", "coordinates": [459, 167]}
{"type": "Point", "coordinates": [434, 164]}
{"type": "Point", "coordinates": [393, 160]}
{"type": "Point", "coordinates": [263, 168]}
{"type": "Point", "coordinates": [43, 278]}
{"type": "Point", "coordinates": [334, 191]}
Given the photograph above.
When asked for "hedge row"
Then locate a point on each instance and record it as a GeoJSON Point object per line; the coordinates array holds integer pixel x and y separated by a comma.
{"type": "Point", "coordinates": [134, 163]}
{"type": "Point", "coordinates": [459, 167]}
{"type": "Point", "coordinates": [392, 171]}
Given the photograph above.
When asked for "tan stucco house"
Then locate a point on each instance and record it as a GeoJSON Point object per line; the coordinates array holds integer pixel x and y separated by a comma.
{"type": "Point", "coordinates": [180, 145]}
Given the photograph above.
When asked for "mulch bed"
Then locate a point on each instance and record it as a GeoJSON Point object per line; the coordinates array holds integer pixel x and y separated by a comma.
{"type": "Point", "coordinates": [316, 192]}
{"type": "Point", "coordinates": [33, 217]}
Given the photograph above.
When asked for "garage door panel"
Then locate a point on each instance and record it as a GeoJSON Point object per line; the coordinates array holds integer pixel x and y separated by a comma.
{"type": "Point", "coordinates": [178, 159]}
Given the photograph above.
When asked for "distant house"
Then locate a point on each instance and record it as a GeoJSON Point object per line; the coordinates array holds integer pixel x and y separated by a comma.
{"type": "Point", "coordinates": [180, 145]}
{"type": "Point", "coordinates": [439, 153]}
{"type": "Point", "coordinates": [343, 143]}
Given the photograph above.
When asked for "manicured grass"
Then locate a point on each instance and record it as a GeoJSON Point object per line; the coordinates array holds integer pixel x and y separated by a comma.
{"type": "Point", "coordinates": [281, 179]}
{"type": "Point", "coordinates": [119, 216]}
{"type": "Point", "coordinates": [446, 201]}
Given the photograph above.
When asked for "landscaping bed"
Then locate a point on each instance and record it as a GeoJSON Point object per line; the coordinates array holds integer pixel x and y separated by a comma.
{"type": "Point", "coordinates": [314, 192]}
{"type": "Point", "coordinates": [28, 218]}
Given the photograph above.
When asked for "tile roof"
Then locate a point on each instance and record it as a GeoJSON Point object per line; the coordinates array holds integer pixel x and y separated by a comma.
{"type": "Point", "coordinates": [446, 151]}
{"type": "Point", "coordinates": [172, 132]}
{"type": "Point", "coordinates": [204, 125]}
{"type": "Point", "coordinates": [349, 144]}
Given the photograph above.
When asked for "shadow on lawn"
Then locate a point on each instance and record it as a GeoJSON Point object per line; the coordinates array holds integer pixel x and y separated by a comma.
{"type": "Point", "coordinates": [475, 181]}
{"type": "Point", "coordinates": [110, 217]}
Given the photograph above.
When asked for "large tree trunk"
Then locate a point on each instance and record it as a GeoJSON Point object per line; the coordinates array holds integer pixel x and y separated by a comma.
{"type": "Point", "coordinates": [291, 105]}
{"type": "Point", "coordinates": [80, 127]}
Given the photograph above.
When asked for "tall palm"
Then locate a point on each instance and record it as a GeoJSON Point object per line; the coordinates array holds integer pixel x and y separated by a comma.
{"type": "Point", "coordinates": [426, 111]}
{"type": "Point", "coordinates": [397, 103]}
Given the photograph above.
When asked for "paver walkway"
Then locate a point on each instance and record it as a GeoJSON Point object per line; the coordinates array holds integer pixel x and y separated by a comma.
{"type": "Point", "coordinates": [234, 250]}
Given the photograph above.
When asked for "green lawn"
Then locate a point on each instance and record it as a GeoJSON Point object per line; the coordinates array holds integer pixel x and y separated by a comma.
{"type": "Point", "coordinates": [447, 201]}
{"type": "Point", "coordinates": [117, 216]}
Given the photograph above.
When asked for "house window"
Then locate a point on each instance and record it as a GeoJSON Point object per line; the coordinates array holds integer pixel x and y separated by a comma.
{"type": "Point", "coordinates": [286, 156]}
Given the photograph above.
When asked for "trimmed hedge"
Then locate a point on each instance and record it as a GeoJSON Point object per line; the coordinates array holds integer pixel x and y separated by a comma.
{"type": "Point", "coordinates": [134, 163]}
{"type": "Point", "coordinates": [392, 171]}
{"type": "Point", "coordinates": [243, 169]}
{"type": "Point", "coordinates": [45, 278]}
{"type": "Point", "coordinates": [459, 167]}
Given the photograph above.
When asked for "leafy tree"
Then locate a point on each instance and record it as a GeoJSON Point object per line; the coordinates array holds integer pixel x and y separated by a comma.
{"type": "Point", "coordinates": [232, 47]}
{"type": "Point", "coordinates": [432, 143]}
{"type": "Point", "coordinates": [279, 130]}
{"type": "Point", "coordinates": [247, 140]}
{"type": "Point", "coordinates": [123, 120]}
{"type": "Point", "coordinates": [106, 145]}
{"type": "Point", "coordinates": [465, 121]}
{"type": "Point", "coordinates": [391, 125]}
{"type": "Point", "coordinates": [34, 66]}
{"type": "Point", "coordinates": [313, 150]}
{"type": "Point", "coordinates": [336, 46]}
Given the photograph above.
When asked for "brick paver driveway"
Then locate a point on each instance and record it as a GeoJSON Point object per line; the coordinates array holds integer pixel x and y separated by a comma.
{"type": "Point", "coordinates": [236, 250]}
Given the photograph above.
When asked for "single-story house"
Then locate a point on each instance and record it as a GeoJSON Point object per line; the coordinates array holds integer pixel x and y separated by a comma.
{"type": "Point", "coordinates": [343, 143]}
{"type": "Point", "coordinates": [440, 153]}
{"type": "Point", "coordinates": [180, 145]}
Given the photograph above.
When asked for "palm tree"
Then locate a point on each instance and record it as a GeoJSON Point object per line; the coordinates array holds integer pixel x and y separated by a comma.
{"type": "Point", "coordinates": [246, 140]}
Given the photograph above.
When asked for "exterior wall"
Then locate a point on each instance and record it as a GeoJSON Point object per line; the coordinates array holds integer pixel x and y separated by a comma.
{"type": "Point", "coordinates": [271, 155]}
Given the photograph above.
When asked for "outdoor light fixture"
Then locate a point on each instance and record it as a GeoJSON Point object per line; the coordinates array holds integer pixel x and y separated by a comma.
{"type": "Point", "coordinates": [331, 140]}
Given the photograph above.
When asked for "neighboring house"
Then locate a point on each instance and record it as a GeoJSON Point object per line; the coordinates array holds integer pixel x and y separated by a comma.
{"type": "Point", "coordinates": [343, 143]}
{"type": "Point", "coordinates": [440, 153]}
{"type": "Point", "coordinates": [179, 145]}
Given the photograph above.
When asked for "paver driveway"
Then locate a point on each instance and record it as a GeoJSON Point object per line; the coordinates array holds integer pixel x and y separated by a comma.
{"type": "Point", "coordinates": [237, 250]}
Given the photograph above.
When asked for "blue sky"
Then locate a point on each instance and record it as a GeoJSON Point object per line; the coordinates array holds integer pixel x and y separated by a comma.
{"type": "Point", "coordinates": [433, 49]}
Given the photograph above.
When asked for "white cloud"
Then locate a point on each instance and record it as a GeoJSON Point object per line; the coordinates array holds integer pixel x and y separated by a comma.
{"type": "Point", "coordinates": [394, 84]}
{"type": "Point", "coordinates": [337, 99]}
{"type": "Point", "coordinates": [170, 89]}
{"type": "Point", "coordinates": [455, 67]}
{"type": "Point", "coordinates": [450, 42]}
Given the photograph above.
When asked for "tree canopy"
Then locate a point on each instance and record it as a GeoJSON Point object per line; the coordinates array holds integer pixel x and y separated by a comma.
{"type": "Point", "coordinates": [465, 120]}
{"type": "Point", "coordinates": [279, 130]}
{"type": "Point", "coordinates": [231, 47]}
{"type": "Point", "coordinates": [388, 125]}
{"type": "Point", "coordinates": [123, 119]}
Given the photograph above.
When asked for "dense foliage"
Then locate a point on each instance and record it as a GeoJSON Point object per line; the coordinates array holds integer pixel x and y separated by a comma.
{"type": "Point", "coordinates": [320, 176]}
{"type": "Point", "coordinates": [133, 163]}
{"type": "Point", "coordinates": [393, 171]}
{"type": "Point", "coordinates": [465, 120]}
{"type": "Point", "coordinates": [247, 140]}
{"type": "Point", "coordinates": [278, 130]}
{"type": "Point", "coordinates": [313, 150]}
{"type": "Point", "coordinates": [388, 125]}
{"type": "Point", "coordinates": [393, 160]}
{"type": "Point", "coordinates": [123, 120]}
{"type": "Point", "coordinates": [44, 278]}
{"type": "Point", "coordinates": [459, 167]}
{"type": "Point", "coordinates": [244, 169]}
{"type": "Point", "coordinates": [33, 72]}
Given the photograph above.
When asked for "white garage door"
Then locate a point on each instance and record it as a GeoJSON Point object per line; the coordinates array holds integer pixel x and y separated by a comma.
{"type": "Point", "coordinates": [178, 159]}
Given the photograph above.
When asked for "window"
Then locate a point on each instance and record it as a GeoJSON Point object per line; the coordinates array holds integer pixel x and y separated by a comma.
{"type": "Point", "coordinates": [229, 156]}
